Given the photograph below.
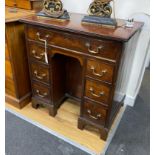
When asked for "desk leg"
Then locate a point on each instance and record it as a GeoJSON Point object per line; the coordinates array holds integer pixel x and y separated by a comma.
{"type": "Point", "coordinates": [103, 134]}
{"type": "Point", "coordinates": [35, 105]}
{"type": "Point", "coordinates": [52, 111]}
{"type": "Point", "coordinates": [81, 124]}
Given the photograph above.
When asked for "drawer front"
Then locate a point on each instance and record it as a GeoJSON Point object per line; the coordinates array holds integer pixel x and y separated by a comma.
{"type": "Point", "coordinates": [8, 69]}
{"type": "Point", "coordinates": [37, 52]}
{"type": "Point", "coordinates": [94, 112]}
{"type": "Point", "coordinates": [97, 91]}
{"type": "Point", "coordinates": [10, 2]}
{"type": "Point", "coordinates": [10, 87]}
{"type": "Point", "coordinates": [109, 50]}
{"type": "Point", "coordinates": [94, 47]}
{"type": "Point", "coordinates": [56, 38]}
{"type": "Point", "coordinates": [41, 91]}
{"type": "Point", "coordinates": [24, 4]}
{"type": "Point", "coordinates": [40, 72]}
{"type": "Point", "coordinates": [100, 70]}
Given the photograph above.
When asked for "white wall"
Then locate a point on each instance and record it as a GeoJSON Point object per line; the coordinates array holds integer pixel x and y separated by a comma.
{"type": "Point", "coordinates": [140, 60]}
{"type": "Point", "coordinates": [77, 6]}
{"type": "Point", "coordinates": [132, 69]}
{"type": "Point", "coordinates": [123, 8]}
{"type": "Point", "coordinates": [133, 64]}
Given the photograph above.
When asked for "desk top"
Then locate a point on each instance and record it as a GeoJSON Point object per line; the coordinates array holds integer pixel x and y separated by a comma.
{"type": "Point", "coordinates": [75, 26]}
{"type": "Point", "coordinates": [11, 16]}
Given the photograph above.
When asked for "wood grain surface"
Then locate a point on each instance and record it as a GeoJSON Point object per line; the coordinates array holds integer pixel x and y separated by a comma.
{"type": "Point", "coordinates": [11, 16]}
{"type": "Point", "coordinates": [75, 25]}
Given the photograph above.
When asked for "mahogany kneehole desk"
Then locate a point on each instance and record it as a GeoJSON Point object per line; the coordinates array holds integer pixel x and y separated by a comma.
{"type": "Point", "coordinates": [82, 63]}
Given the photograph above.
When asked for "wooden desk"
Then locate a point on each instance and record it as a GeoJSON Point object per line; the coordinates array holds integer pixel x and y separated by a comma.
{"type": "Point", "coordinates": [83, 62]}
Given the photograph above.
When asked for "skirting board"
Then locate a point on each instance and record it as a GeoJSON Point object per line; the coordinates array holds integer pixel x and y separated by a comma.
{"type": "Point", "coordinates": [128, 100]}
{"type": "Point", "coordinates": [19, 103]}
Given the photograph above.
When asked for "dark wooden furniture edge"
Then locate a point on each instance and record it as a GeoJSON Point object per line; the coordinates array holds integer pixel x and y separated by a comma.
{"type": "Point", "coordinates": [26, 20]}
{"type": "Point", "coordinates": [19, 103]}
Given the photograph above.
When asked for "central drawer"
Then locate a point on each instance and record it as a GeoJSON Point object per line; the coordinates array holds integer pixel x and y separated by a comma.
{"type": "Point", "coordinates": [102, 48]}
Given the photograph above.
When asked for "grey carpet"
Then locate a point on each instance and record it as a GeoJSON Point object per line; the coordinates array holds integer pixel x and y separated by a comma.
{"type": "Point", "coordinates": [23, 138]}
{"type": "Point", "coordinates": [133, 134]}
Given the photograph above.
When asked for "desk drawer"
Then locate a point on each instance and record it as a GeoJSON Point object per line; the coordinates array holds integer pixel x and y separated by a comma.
{"type": "Point", "coordinates": [24, 4]}
{"type": "Point", "coordinates": [10, 2]}
{"type": "Point", "coordinates": [99, 70]}
{"type": "Point", "coordinates": [40, 72]}
{"type": "Point", "coordinates": [41, 91]}
{"type": "Point", "coordinates": [36, 52]}
{"type": "Point", "coordinates": [97, 91]}
{"type": "Point", "coordinates": [101, 48]}
{"type": "Point", "coordinates": [94, 112]}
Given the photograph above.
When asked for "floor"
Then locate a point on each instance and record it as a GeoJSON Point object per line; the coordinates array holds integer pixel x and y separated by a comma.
{"type": "Point", "coordinates": [130, 138]}
{"type": "Point", "coordinates": [24, 138]}
{"type": "Point", "coordinates": [133, 133]}
{"type": "Point", "coordinates": [64, 125]}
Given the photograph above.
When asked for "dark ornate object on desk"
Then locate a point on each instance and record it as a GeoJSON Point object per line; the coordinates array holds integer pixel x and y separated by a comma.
{"type": "Point", "coordinates": [54, 9]}
{"type": "Point", "coordinates": [100, 13]}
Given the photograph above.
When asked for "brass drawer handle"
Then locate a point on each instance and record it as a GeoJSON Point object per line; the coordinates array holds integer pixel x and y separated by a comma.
{"type": "Point", "coordinates": [41, 95]}
{"type": "Point", "coordinates": [92, 51]}
{"type": "Point", "coordinates": [92, 93]}
{"type": "Point", "coordinates": [103, 72]}
{"type": "Point", "coordinates": [94, 117]}
{"type": "Point", "coordinates": [45, 43]}
{"type": "Point", "coordinates": [38, 35]}
{"type": "Point", "coordinates": [36, 56]}
{"type": "Point", "coordinates": [39, 76]}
